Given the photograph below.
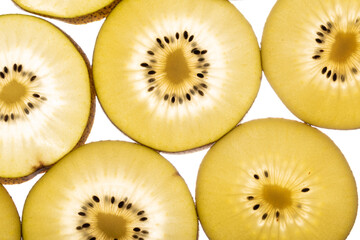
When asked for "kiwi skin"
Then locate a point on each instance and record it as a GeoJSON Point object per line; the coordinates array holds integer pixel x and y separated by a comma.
{"type": "Point", "coordinates": [41, 168]}
{"type": "Point", "coordinates": [91, 17]}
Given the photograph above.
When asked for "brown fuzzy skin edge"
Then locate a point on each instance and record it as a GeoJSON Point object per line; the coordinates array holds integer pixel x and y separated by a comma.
{"type": "Point", "coordinates": [43, 168]}
{"type": "Point", "coordinates": [91, 17]}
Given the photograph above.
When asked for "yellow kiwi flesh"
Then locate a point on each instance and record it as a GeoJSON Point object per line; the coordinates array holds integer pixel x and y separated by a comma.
{"type": "Point", "coordinates": [170, 76]}
{"type": "Point", "coordinates": [110, 190]}
{"type": "Point", "coordinates": [74, 11]}
{"type": "Point", "coordinates": [9, 218]}
{"type": "Point", "coordinates": [276, 179]}
{"type": "Point", "coordinates": [310, 55]}
{"type": "Point", "coordinates": [46, 96]}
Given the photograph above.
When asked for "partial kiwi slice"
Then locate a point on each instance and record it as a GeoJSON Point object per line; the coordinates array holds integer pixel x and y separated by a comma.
{"type": "Point", "coordinates": [9, 218]}
{"type": "Point", "coordinates": [276, 179]}
{"type": "Point", "coordinates": [171, 76]}
{"type": "Point", "coordinates": [46, 96]}
{"type": "Point", "coordinates": [311, 57]}
{"type": "Point", "coordinates": [74, 11]}
{"type": "Point", "coordinates": [110, 190]}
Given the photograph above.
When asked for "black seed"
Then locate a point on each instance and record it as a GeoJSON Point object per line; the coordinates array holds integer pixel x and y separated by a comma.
{"type": "Point", "coordinates": [93, 238]}
{"type": "Point", "coordinates": [20, 68]}
{"type": "Point", "coordinates": [86, 225]}
{"type": "Point", "coordinates": [159, 42]}
{"type": "Point", "coordinates": [266, 173]}
{"type": "Point", "coordinates": [277, 214]}
{"type": "Point", "coordinates": [256, 207]}
{"type": "Point", "coordinates": [78, 228]}
{"type": "Point", "coordinates": [151, 88]}
{"type": "Point", "coordinates": [152, 72]}
{"type": "Point", "coordinates": [26, 110]}
{"type": "Point", "coordinates": [321, 50]}
{"type": "Point", "coordinates": [188, 97]}
{"type": "Point", "coordinates": [32, 78]}
{"type": "Point", "coordinates": [250, 198]}
{"type": "Point", "coordinates": [334, 77]}
{"type": "Point", "coordinates": [145, 232]}
{"type": "Point", "coordinates": [200, 75]}
{"type": "Point", "coordinates": [112, 200]}
{"type": "Point", "coordinates": [206, 64]}
{"type": "Point", "coordinates": [316, 57]}
{"type": "Point", "coordinates": [192, 92]}
{"type": "Point", "coordinates": [354, 70]}
{"type": "Point", "coordinates": [143, 219]}
{"type": "Point", "coordinates": [195, 88]}
{"type": "Point", "coordinates": [324, 28]}
{"type": "Point", "coordinates": [203, 85]}
{"type": "Point", "coordinates": [166, 97]}
{"type": "Point", "coordinates": [128, 206]}
{"type": "Point", "coordinates": [329, 24]}
{"type": "Point", "coordinates": [141, 238]}
{"type": "Point", "coordinates": [177, 35]}
{"type": "Point", "coordinates": [144, 65]}
{"type": "Point", "coordinates": [15, 67]}
{"type": "Point", "coordinates": [12, 116]}
{"type": "Point", "coordinates": [264, 216]}
{"type": "Point", "coordinates": [193, 50]}
{"type": "Point", "coordinates": [30, 105]}
{"type": "Point", "coordinates": [305, 189]}
{"type": "Point", "coordinates": [173, 99]}
{"type": "Point", "coordinates": [324, 70]}
{"type": "Point", "coordinates": [135, 236]}
{"type": "Point", "coordinates": [140, 213]}
{"type": "Point", "coordinates": [191, 38]}
{"type": "Point", "coordinates": [342, 78]}
{"type": "Point", "coordinates": [318, 40]}
{"type": "Point", "coordinates": [96, 199]}
{"type": "Point", "coordinates": [36, 95]}
{"type": "Point", "coordinates": [6, 118]}
{"type": "Point", "coordinates": [121, 204]}
{"type": "Point", "coordinates": [328, 74]}
{"type": "Point", "coordinates": [167, 40]}
{"type": "Point", "coordinates": [151, 80]}
{"type": "Point", "coordinates": [197, 52]}
{"type": "Point", "coordinates": [256, 176]}
{"type": "Point", "coordinates": [204, 71]}
{"type": "Point", "coordinates": [82, 213]}
{"type": "Point", "coordinates": [137, 229]}
{"type": "Point", "coordinates": [320, 34]}
{"type": "Point", "coordinates": [6, 70]}
{"type": "Point", "coordinates": [151, 53]}
{"type": "Point", "coordinates": [180, 100]}
{"type": "Point", "coordinates": [91, 205]}
{"type": "Point", "coordinates": [201, 92]}
{"type": "Point", "coordinates": [201, 59]}
{"type": "Point", "coordinates": [203, 51]}
{"type": "Point", "coordinates": [2, 75]}
{"type": "Point", "coordinates": [186, 35]}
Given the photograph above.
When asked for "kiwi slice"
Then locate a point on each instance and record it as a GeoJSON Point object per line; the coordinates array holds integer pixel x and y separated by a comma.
{"type": "Point", "coordinates": [170, 75]}
{"type": "Point", "coordinates": [276, 179]}
{"type": "Point", "coordinates": [46, 96]}
{"type": "Point", "coordinates": [110, 190]}
{"type": "Point", "coordinates": [311, 57]}
{"type": "Point", "coordinates": [9, 218]}
{"type": "Point", "coordinates": [74, 11]}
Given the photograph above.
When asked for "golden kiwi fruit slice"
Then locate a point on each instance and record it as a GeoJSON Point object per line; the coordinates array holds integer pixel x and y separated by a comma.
{"type": "Point", "coordinates": [110, 190]}
{"type": "Point", "coordinates": [46, 96]}
{"type": "Point", "coordinates": [9, 218]}
{"type": "Point", "coordinates": [276, 179]}
{"type": "Point", "coordinates": [74, 11]}
{"type": "Point", "coordinates": [311, 57]}
{"type": "Point", "coordinates": [170, 75]}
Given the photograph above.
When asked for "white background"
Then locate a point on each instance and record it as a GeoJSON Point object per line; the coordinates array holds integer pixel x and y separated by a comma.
{"type": "Point", "coordinates": [267, 104]}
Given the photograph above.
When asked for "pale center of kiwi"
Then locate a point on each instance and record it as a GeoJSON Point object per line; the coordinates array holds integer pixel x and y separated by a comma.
{"type": "Point", "coordinates": [344, 45]}
{"type": "Point", "coordinates": [111, 225]}
{"type": "Point", "coordinates": [277, 196]}
{"type": "Point", "coordinates": [176, 67]}
{"type": "Point", "coordinates": [12, 92]}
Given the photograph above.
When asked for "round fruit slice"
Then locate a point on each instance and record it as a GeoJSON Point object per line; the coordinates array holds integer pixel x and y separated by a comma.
{"type": "Point", "coordinates": [46, 98]}
{"type": "Point", "coordinates": [110, 190]}
{"type": "Point", "coordinates": [276, 179]}
{"type": "Point", "coordinates": [170, 76]}
{"type": "Point", "coordinates": [74, 11]}
{"type": "Point", "coordinates": [311, 57]}
{"type": "Point", "coordinates": [9, 217]}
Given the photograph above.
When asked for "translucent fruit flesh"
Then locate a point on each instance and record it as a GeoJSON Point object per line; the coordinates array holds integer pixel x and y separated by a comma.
{"type": "Point", "coordinates": [9, 217]}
